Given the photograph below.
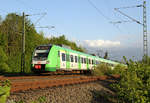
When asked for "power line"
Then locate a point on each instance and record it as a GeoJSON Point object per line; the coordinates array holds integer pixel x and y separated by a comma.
{"type": "Point", "coordinates": [97, 9]}
{"type": "Point", "coordinates": [121, 20]}
{"type": "Point", "coordinates": [26, 5]}
{"type": "Point", "coordinates": [117, 9]}
{"type": "Point", "coordinates": [108, 6]}
{"type": "Point", "coordinates": [48, 27]}
{"type": "Point", "coordinates": [144, 24]}
{"type": "Point", "coordinates": [100, 12]}
{"type": "Point", "coordinates": [42, 15]}
{"type": "Point", "coordinates": [134, 6]}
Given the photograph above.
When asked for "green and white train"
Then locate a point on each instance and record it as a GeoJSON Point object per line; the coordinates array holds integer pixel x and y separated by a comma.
{"type": "Point", "coordinates": [51, 58]}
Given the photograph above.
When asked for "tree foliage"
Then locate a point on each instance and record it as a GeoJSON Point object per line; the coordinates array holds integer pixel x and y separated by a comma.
{"type": "Point", "coordinates": [10, 42]}
{"type": "Point", "coordinates": [3, 61]}
{"type": "Point", "coordinates": [62, 40]}
{"type": "Point", "coordinates": [134, 84]}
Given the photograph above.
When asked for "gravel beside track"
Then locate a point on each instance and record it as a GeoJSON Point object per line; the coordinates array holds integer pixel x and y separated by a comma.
{"type": "Point", "coordinates": [78, 93]}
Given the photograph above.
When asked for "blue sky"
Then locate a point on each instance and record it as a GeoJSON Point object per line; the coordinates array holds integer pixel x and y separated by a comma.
{"type": "Point", "coordinates": [80, 21]}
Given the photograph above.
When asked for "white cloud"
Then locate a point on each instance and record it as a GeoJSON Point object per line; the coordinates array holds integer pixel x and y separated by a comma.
{"type": "Point", "coordinates": [101, 43]}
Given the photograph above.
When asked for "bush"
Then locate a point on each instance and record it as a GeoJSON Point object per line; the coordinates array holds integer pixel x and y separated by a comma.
{"type": "Point", "coordinates": [118, 69]}
{"type": "Point", "coordinates": [4, 68]}
{"type": "Point", "coordinates": [4, 90]}
{"type": "Point", "coordinates": [134, 84]}
{"type": "Point", "coordinates": [101, 69]}
{"type": "Point", "coordinates": [104, 69]}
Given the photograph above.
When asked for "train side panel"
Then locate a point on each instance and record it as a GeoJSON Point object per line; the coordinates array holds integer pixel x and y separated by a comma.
{"type": "Point", "coordinates": [60, 58]}
{"type": "Point", "coordinates": [54, 62]}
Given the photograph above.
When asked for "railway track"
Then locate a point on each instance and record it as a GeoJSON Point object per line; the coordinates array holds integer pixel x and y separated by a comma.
{"type": "Point", "coordinates": [35, 77]}
{"type": "Point", "coordinates": [34, 82]}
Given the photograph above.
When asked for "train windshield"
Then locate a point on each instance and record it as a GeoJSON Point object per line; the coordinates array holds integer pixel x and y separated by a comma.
{"type": "Point", "coordinates": [41, 52]}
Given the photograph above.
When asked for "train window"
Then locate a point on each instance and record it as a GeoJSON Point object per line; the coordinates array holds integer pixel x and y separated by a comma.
{"type": "Point", "coordinates": [41, 52]}
{"type": "Point", "coordinates": [63, 57]}
{"type": "Point", "coordinates": [43, 48]}
{"type": "Point", "coordinates": [84, 60]}
{"type": "Point", "coordinates": [40, 55]}
{"type": "Point", "coordinates": [81, 60]}
{"type": "Point", "coordinates": [76, 59]}
{"type": "Point", "coordinates": [89, 61]}
{"type": "Point", "coordinates": [92, 61]}
{"type": "Point", "coordinates": [71, 58]}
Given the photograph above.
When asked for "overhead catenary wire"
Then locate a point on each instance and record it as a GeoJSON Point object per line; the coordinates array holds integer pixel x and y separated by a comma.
{"type": "Point", "coordinates": [97, 9]}
{"type": "Point", "coordinates": [101, 13]}
{"type": "Point", "coordinates": [134, 6]}
{"type": "Point", "coordinates": [108, 6]}
{"type": "Point", "coordinates": [42, 15]}
{"type": "Point", "coordinates": [144, 24]}
{"type": "Point", "coordinates": [26, 5]}
{"type": "Point", "coordinates": [124, 14]}
{"type": "Point", "coordinates": [117, 9]}
{"type": "Point", "coordinates": [120, 20]}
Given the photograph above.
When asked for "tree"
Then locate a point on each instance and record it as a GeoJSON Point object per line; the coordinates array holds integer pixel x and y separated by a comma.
{"type": "Point", "coordinates": [3, 61]}
{"type": "Point", "coordinates": [11, 45]}
{"type": "Point", "coordinates": [62, 40]}
{"type": "Point", "coordinates": [0, 19]}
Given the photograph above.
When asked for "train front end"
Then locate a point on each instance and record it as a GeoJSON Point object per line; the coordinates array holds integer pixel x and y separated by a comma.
{"type": "Point", "coordinates": [40, 58]}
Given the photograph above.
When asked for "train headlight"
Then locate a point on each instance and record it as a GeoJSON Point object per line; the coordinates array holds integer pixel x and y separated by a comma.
{"type": "Point", "coordinates": [47, 62]}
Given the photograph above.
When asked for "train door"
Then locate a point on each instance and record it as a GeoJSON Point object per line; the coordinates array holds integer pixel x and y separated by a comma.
{"type": "Point", "coordinates": [73, 61]}
{"type": "Point", "coordinates": [83, 62]}
{"type": "Point", "coordinates": [76, 62]}
{"type": "Point", "coordinates": [93, 63]}
{"type": "Point", "coordinates": [62, 59]}
{"type": "Point", "coordinates": [90, 63]}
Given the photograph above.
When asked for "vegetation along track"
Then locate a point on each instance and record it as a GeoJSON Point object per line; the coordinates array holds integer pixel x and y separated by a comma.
{"type": "Point", "coordinates": [34, 82]}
